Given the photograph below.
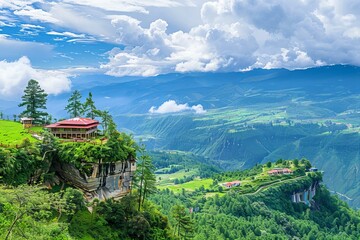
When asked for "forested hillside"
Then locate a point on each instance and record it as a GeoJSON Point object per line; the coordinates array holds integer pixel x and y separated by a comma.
{"type": "Point", "coordinates": [269, 214]}
{"type": "Point", "coordinates": [253, 117]}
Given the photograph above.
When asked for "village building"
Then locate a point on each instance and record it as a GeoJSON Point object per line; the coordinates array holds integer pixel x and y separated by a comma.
{"type": "Point", "coordinates": [231, 184]}
{"type": "Point", "coordinates": [27, 122]}
{"type": "Point", "coordinates": [80, 128]}
{"type": "Point", "coordinates": [280, 171]}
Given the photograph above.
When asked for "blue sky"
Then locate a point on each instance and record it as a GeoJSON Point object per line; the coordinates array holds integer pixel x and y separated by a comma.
{"type": "Point", "coordinates": [55, 41]}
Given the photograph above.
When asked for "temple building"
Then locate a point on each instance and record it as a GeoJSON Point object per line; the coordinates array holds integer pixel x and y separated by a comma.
{"type": "Point", "coordinates": [80, 128]}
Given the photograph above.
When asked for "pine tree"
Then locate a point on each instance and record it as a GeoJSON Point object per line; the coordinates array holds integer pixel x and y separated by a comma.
{"type": "Point", "coordinates": [106, 120]}
{"type": "Point", "coordinates": [75, 108]}
{"type": "Point", "coordinates": [183, 225]}
{"type": "Point", "coordinates": [34, 98]}
{"type": "Point", "coordinates": [89, 107]}
{"type": "Point", "coordinates": [145, 176]}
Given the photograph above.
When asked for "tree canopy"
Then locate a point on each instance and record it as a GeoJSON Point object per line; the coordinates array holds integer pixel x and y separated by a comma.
{"type": "Point", "coordinates": [89, 107]}
{"type": "Point", "coordinates": [33, 100]}
{"type": "Point", "coordinates": [75, 108]}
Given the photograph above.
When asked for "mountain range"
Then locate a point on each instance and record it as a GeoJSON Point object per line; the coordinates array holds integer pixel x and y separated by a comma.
{"type": "Point", "coordinates": [248, 117]}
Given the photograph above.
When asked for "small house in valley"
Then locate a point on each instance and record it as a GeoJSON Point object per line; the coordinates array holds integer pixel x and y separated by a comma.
{"type": "Point", "coordinates": [231, 184]}
{"type": "Point", "coordinates": [280, 171]}
{"type": "Point", "coordinates": [81, 128]}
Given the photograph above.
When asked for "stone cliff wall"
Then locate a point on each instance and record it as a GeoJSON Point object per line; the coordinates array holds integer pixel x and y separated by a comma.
{"type": "Point", "coordinates": [305, 196]}
{"type": "Point", "coordinates": [107, 180]}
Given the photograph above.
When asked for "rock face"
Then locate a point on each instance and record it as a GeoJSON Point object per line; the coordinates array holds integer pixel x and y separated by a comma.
{"type": "Point", "coordinates": [105, 180]}
{"type": "Point", "coordinates": [306, 195]}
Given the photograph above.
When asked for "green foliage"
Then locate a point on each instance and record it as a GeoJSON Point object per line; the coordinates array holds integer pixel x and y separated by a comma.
{"type": "Point", "coordinates": [75, 153]}
{"type": "Point", "coordinates": [145, 179]}
{"type": "Point", "coordinates": [34, 98]}
{"type": "Point", "coordinates": [75, 108]}
{"type": "Point", "coordinates": [128, 223]}
{"type": "Point", "coordinates": [89, 107]}
{"type": "Point", "coordinates": [183, 227]}
{"type": "Point", "coordinates": [266, 215]}
{"type": "Point", "coordinates": [119, 147]}
{"type": "Point", "coordinates": [107, 121]}
{"type": "Point", "coordinates": [90, 226]}
{"type": "Point", "coordinates": [27, 212]}
{"type": "Point", "coordinates": [30, 212]}
{"type": "Point", "coordinates": [17, 165]}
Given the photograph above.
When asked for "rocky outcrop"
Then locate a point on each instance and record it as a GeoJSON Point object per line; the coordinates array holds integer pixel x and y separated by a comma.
{"type": "Point", "coordinates": [101, 180]}
{"type": "Point", "coordinates": [305, 196]}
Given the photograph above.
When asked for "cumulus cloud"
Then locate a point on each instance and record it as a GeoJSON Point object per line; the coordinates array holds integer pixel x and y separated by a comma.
{"type": "Point", "coordinates": [151, 51]}
{"type": "Point", "coordinates": [237, 35]}
{"type": "Point", "coordinates": [171, 106]}
{"type": "Point", "coordinates": [15, 75]}
{"type": "Point", "coordinates": [232, 35]}
{"type": "Point", "coordinates": [199, 109]}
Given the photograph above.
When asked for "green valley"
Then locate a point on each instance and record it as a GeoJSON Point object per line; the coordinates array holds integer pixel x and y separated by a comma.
{"type": "Point", "coordinates": [312, 113]}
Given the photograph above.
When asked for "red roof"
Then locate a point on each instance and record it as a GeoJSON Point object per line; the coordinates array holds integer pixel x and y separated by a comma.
{"type": "Point", "coordinates": [75, 123]}
{"type": "Point", "coordinates": [230, 184]}
{"type": "Point", "coordinates": [277, 171]}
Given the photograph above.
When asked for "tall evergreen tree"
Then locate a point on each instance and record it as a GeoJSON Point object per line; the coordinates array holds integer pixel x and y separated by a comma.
{"type": "Point", "coordinates": [106, 121]}
{"type": "Point", "coordinates": [183, 225]}
{"type": "Point", "coordinates": [89, 107]}
{"type": "Point", "coordinates": [145, 176]}
{"type": "Point", "coordinates": [75, 108]}
{"type": "Point", "coordinates": [34, 98]}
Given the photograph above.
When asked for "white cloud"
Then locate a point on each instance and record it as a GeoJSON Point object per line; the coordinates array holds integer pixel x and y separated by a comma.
{"type": "Point", "coordinates": [66, 34]}
{"type": "Point", "coordinates": [31, 29]}
{"type": "Point", "coordinates": [199, 109]}
{"type": "Point", "coordinates": [15, 75]}
{"type": "Point", "coordinates": [231, 35]}
{"type": "Point", "coordinates": [130, 5]}
{"type": "Point", "coordinates": [31, 26]}
{"type": "Point", "coordinates": [237, 35]}
{"type": "Point", "coordinates": [171, 106]}
{"type": "Point", "coordinates": [37, 15]}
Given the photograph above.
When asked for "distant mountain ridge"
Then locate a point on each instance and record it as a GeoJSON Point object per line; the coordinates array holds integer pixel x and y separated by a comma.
{"type": "Point", "coordinates": [252, 117]}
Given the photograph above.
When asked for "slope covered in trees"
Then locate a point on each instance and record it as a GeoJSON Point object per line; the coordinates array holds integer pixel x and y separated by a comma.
{"type": "Point", "coordinates": [269, 214]}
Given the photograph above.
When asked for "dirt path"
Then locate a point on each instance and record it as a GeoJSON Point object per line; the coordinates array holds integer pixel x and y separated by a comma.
{"type": "Point", "coordinates": [272, 184]}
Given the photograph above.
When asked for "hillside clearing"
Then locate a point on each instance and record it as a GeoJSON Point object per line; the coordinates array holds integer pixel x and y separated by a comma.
{"type": "Point", "coordinates": [12, 133]}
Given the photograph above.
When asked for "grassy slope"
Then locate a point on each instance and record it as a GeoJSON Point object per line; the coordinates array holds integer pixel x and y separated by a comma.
{"type": "Point", "coordinates": [249, 184]}
{"type": "Point", "coordinates": [12, 133]}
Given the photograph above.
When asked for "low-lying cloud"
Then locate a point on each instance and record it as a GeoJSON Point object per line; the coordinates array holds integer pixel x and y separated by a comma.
{"type": "Point", "coordinates": [14, 77]}
{"type": "Point", "coordinates": [171, 106]}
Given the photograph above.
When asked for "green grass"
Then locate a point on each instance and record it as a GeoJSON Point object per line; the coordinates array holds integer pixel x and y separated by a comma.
{"type": "Point", "coordinates": [167, 179]}
{"type": "Point", "coordinates": [249, 184]}
{"type": "Point", "coordinates": [12, 133]}
{"type": "Point", "coordinates": [189, 186]}
{"type": "Point", "coordinates": [37, 129]}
